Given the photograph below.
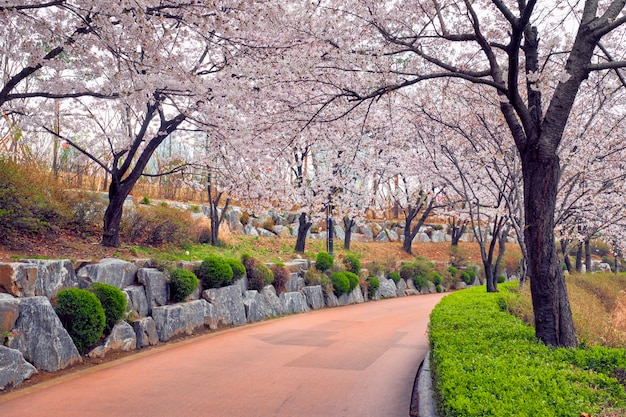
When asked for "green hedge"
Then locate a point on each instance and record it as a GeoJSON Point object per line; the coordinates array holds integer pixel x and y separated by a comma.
{"type": "Point", "coordinates": [487, 362]}
{"type": "Point", "coordinates": [113, 301]}
{"type": "Point", "coordinates": [82, 316]}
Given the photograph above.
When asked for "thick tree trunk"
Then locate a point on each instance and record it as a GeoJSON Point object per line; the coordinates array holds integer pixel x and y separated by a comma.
{"type": "Point", "coordinates": [588, 255]}
{"type": "Point", "coordinates": [303, 229]}
{"type": "Point", "coordinates": [553, 317]}
{"type": "Point", "coordinates": [348, 224]}
{"type": "Point", "coordinates": [113, 215]}
{"type": "Point", "coordinates": [330, 236]}
{"type": "Point", "coordinates": [456, 229]}
{"type": "Point", "coordinates": [579, 257]}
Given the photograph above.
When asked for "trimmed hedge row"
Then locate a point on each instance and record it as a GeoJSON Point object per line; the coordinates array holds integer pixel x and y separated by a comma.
{"type": "Point", "coordinates": [487, 362]}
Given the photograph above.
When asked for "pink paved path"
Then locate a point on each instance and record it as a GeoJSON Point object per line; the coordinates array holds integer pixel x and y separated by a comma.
{"type": "Point", "coordinates": [359, 360]}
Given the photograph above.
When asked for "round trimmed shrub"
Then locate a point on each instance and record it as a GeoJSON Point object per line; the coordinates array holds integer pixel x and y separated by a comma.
{"type": "Point", "coordinates": [238, 269]}
{"type": "Point", "coordinates": [394, 276]}
{"type": "Point", "coordinates": [501, 279]}
{"type": "Point", "coordinates": [419, 281]}
{"type": "Point", "coordinates": [353, 279]}
{"type": "Point", "coordinates": [281, 276]}
{"type": "Point", "coordinates": [453, 270]}
{"type": "Point", "coordinates": [374, 285]}
{"type": "Point", "coordinates": [439, 288]}
{"type": "Point", "coordinates": [324, 261]}
{"type": "Point", "coordinates": [215, 272]}
{"type": "Point", "coordinates": [82, 316]}
{"type": "Point", "coordinates": [352, 263]}
{"type": "Point", "coordinates": [113, 301]}
{"type": "Point", "coordinates": [466, 277]}
{"type": "Point", "coordinates": [182, 284]}
{"type": "Point", "coordinates": [341, 283]}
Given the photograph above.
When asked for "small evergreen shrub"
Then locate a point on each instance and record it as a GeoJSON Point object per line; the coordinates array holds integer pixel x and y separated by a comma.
{"type": "Point", "coordinates": [353, 279]}
{"type": "Point", "coordinates": [501, 279]}
{"type": "Point", "coordinates": [182, 284]}
{"type": "Point", "coordinates": [439, 288]}
{"type": "Point", "coordinates": [258, 274]}
{"type": "Point", "coordinates": [82, 316]}
{"type": "Point", "coordinates": [374, 285]}
{"type": "Point", "coordinates": [466, 277]}
{"type": "Point", "coordinates": [453, 271]}
{"type": "Point", "coordinates": [238, 269]}
{"type": "Point", "coordinates": [352, 263]}
{"type": "Point", "coordinates": [215, 272]}
{"type": "Point", "coordinates": [113, 301]}
{"type": "Point", "coordinates": [341, 283]}
{"type": "Point", "coordinates": [394, 276]}
{"type": "Point", "coordinates": [420, 282]}
{"type": "Point", "coordinates": [281, 276]}
{"type": "Point", "coordinates": [435, 278]}
{"type": "Point", "coordinates": [324, 261]}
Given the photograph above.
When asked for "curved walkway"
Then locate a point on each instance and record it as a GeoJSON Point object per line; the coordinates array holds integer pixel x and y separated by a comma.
{"type": "Point", "coordinates": [360, 360]}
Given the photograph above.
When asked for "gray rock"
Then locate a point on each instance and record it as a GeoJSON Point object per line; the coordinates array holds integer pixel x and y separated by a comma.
{"type": "Point", "coordinates": [178, 319]}
{"type": "Point", "coordinates": [281, 231]}
{"type": "Point", "coordinates": [421, 237]}
{"type": "Point", "coordinates": [155, 283]}
{"type": "Point", "coordinates": [387, 288]}
{"type": "Point", "coordinates": [354, 297]}
{"type": "Point", "coordinates": [137, 300]}
{"type": "Point", "coordinates": [382, 236]}
{"type": "Point", "coordinates": [331, 300]}
{"type": "Point", "coordinates": [438, 236]}
{"type": "Point", "coordinates": [18, 279]}
{"type": "Point", "coordinates": [9, 311]}
{"type": "Point", "coordinates": [145, 332]}
{"type": "Point", "coordinates": [111, 271]}
{"type": "Point", "coordinates": [298, 265]}
{"type": "Point", "coordinates": [375, 228]}
{"type": "Point", "coordinates": [228, 303]}
{"type": "Point", "coordinates": [460, 285]}
{"type": "Point", "coordinates": [43, 341]}
{"type": "Point", "coordinates": [53, 276]}
{"type": "Point", "coordinates": [339, 233]}
{"type": "Point", "coordinates": [293, 302]}
{"type": "Point", "coordinates": [232, 217]}
{"type": "Point", "coordinates": [314, 296]}
{"type": "Point", "coordinates": [210, 315]}
{"type": "Point", "coordinates": [392, 234]}
{"type": "Point", "coordinates": [242, 283]}
{"type": "Point", "coordinates": [366, 231]}
{"type": "Point", "coordinates": [13, 368]}
{"type": "Point", "coordinates": [401, 287]}
{"type": "Point", "coordinates": [271, 300]}
{"type": "Point", "coordinates": [250, 230]}
{"type": "Point", "coordinates": [122, 339]}
{"type": "Point", "coordinates": [294, 283]}
{"type": "Point", "coordinates": [264, 233]}
{"type": "Point", "coordinates": [256, 309]}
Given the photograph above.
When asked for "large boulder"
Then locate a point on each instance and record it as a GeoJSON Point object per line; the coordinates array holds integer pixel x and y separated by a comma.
{"type": "Point", "coordinates": [293, 302]}
{"type": "Point", "coordinates": [43, 341]}
{"type": "Point", "coordinates": [136, 300]}
{"type": "Point", "coordinates": [53, 276]}
{"type": "Point", "coordinates": [331, 300]}
{"type": "Point", "coordinates": [14, 369]}
{"type": "Point", "coordinates": [314, 296]}
{"type": "Point", "coordinates": [274, 305]}
{"type": "Point", "coordinates": [110, 271]}
{"type": "Point", "coordinates": [121, 339]}
{"type": "Point", "coordinates": [18, 279]}
{"type": "Point", "coordinates": [295, 282]}
{"type": "Point", "coordinates": [9, 311]}
{"type": "Point", "coordinates": [438, 236]}
{"type": "Point", "coordinates": [281, 231]}
{"type": "Point", "coordinates": [401, 287]}
{"type": "Point", "coordinates": [155, 283]}
{"type": "Point", "coordinates": [354, 297]}
{"type": "Point", "coordinates": [210, 315]}
{"type": "Point", "coordinates": [387, 288]}
{"type": "Point", "coordinates": [256, 308]}
{"type": "Point", "coordinates": [145, 332]}
{"type": "Point", "coordinates": [228, 304]}
{"type": "Point", "coordinates": [299, 265]}
{"type": "Point", "coordinates": [178, 319]}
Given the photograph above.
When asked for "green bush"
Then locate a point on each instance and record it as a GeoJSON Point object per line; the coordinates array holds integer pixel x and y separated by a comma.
{"type": "Point", "coordinates": [258, 274]}
{"type": "Point", "coordinates": [341, 283]}
{"type": "Point", "coordinates": [508, 364]}
{"type": "Point", "coordinates": [82, 316]}
{"type": "Point", "coordinates": [435, 278]}
{"type": "Point", "coordinates": [324, 261]}
{"type": "Point", "coordinates": [501, 279]}
{"type": "Point", "coordinates": [352, 263]}
{"type": "Point", "coordinates": [353, 278]}
{"type": "Point", "coordinates": [420, 282]}
{"type": "Point", "coordinates": [374, 285]}
{"type": "Point", "coordinates": [281, 276]}
{"type": "Point", "coordinates": [439, 288]}
{"type": "Point", "coordinates": [182, 284]}
{"type": "Point", "coordinates": [314, 277]}
{"type": "Point", "coordinates": [238, 269]}
{"type": "Point", "coordinates": [453, 271]}
{"type": "Point", "coordinates": [113, 301]}
{"type": "Point", "coordinates": [394, 276]}
{"type": "Point", "coordinates": [466, 277]}
{"type": "Point", "coordinates": [214, 272]}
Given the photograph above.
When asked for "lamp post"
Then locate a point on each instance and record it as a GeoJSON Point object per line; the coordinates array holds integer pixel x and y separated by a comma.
{"type": "Point", "coordinates": [330, 246]}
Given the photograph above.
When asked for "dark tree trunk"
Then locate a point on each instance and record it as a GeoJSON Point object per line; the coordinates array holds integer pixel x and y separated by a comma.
{"type": "Point", "coordinates": [588, 255]}
{"type": "Point", "coordinates": [330, 236]}
{"type": "Point", "coordinates": [568, 262]}
{"type": "Point", "coordinates": [303, 229]}
{"type": "Point", "coordinates": [410, 213]}
{"type": "Point", "coordinates": [348, 224]}
{"type": "Point", "coordinates": [553, 317]}
{"type": "Point", "coordinates": [113, 214]}
{"type": "Point", "coordinates": [457, 228]}
{"type": "Point", "coordinates": [579, 256]}
{"type": "Point", "coordinates": [214, 213]}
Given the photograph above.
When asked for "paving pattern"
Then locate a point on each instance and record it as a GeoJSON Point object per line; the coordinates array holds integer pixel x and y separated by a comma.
{"type": "Point", "coordinates": [353, 361]}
